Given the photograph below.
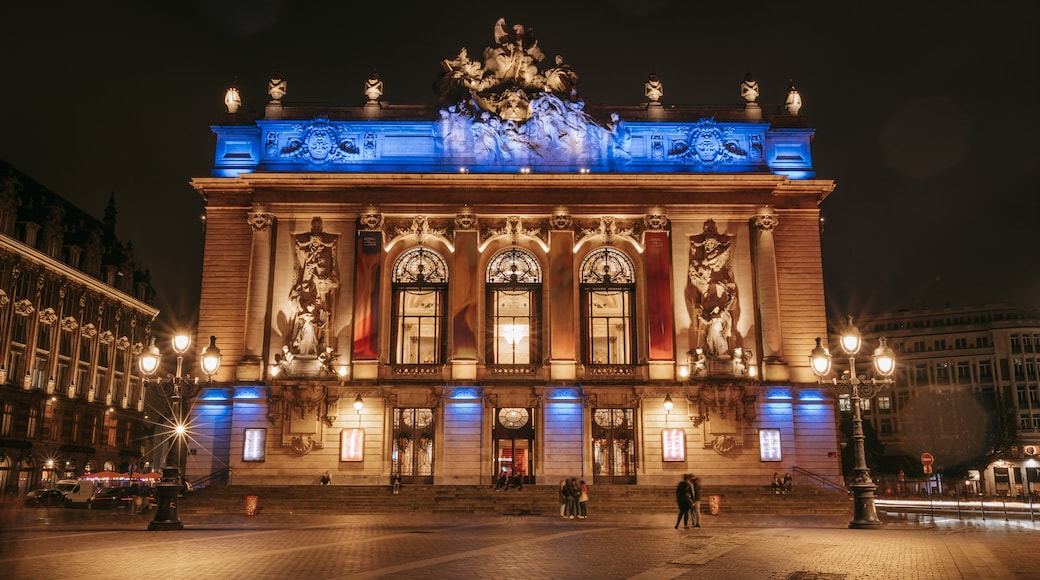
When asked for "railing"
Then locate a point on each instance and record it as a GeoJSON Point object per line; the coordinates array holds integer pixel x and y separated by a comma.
{"type": "Point", "coordinates": [818, 479]}
{"type": "Point", "coordinates": [218, 477]}
{"type": "Point", "coordinates": [962, 508]}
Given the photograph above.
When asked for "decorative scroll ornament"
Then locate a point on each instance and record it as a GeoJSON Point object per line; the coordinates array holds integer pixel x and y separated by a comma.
{"type": "Point", "coordinates": [24, 307]}
{"type": "Point", "coordinates": [722, 401]}
{"type": "Point", "coordinates": [723, 444]}
{"type": "Point", "coordinates": [765, 222]}
{"type": "Point", "coordinates": [321, 142]}
{"type": "Point", "coordinates": [260, 221]}
{"type": "Point", "coordinates": [514, 228]}
{"type": "Point", "coordinates": [709, 144]}
{"type": "Point", "coordinates": [48, 316]}
{"type": "Point", "coordinates": [69, 324]}
{"type": "Point", "coordinates": [88, 331]}
{"type": "Point", "coordinates": [607, 228]}
{"type": "Point", "coordinates": [562, 220]}
{"type": "Point", "coordinates": [138, 348]}
{"type": "Point", "coordinates": [655, 222]}
{"type": "Point", "coordinates": [372, 220]}
{"type": "Point", "coordinates": [465, 221]}
{"type": "Point", "coordinates": [302, 444]}
{"type": "Point", "coordinates": [123, 343]}
{"type": "Point", "coordinates": [107, 337]}
{"type": "Point", "coordinates": [420, 227]}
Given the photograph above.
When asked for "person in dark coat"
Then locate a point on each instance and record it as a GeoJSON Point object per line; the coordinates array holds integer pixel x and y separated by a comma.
{"type": "Point", "coordinates": [684, 499]}
{"type": "Point", "coordinates": [695, 509]}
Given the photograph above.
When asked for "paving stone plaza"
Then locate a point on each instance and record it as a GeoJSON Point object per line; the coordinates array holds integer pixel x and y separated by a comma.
{"type": "Point", "coordinates": [62, 543]}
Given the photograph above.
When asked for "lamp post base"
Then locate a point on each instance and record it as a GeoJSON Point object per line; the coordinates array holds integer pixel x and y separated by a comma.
{"type": "Point", "coordinates": [864, 514]}
{"type": "Point", "coordinates": [166, 508]}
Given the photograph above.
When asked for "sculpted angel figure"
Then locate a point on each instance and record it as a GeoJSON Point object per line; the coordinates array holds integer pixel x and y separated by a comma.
{"type": "Point", "coordinates": [713, 289]}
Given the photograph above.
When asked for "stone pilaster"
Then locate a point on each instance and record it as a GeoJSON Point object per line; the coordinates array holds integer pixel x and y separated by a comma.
{"type": "Point", "coordinates": [258, 297]}
{"type": "Point", "coordinates": [768, 293]}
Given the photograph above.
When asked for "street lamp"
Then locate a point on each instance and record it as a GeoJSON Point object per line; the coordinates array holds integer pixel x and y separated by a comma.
{"type": "Point", "coordinates": [176, 387]}
{"type": "Point", "coordinates": [858, 387]}
{"type": "Point", "coordinates": [358, 405]}
{"type": "Point", "coordinates": [668, 405]}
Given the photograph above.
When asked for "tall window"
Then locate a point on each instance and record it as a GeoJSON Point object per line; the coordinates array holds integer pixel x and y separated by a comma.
{"type": "Point", "coordinates": [514, 291]}
{"type": "Point", "coordinates": [607, 296]}
{"type": "Point", "coordinates": [420, 289]}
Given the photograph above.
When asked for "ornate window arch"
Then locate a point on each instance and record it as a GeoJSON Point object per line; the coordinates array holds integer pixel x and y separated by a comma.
{"type": "Point", "coordinates": [420, 298]}
{"type": "Point", "coordinates": [607, 286]}
{"type": "Point", "coordinates": [514, 298]}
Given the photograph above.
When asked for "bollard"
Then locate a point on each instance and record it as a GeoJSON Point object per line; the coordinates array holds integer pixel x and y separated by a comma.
{"type": "Point", "coordinates": [252, 505]}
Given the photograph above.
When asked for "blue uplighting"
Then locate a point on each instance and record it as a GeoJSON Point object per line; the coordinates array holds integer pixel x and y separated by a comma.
{"type": "Point", "coordinates": [248, 393]}
{"type": "Point", "coordinates": [779, 393]}
{"type": "Point", "coordinates": [811, 396]}
{"type": "Point", "coordinates": [464, 393]}
{"type": "Point", "coordinates": [565, 394]}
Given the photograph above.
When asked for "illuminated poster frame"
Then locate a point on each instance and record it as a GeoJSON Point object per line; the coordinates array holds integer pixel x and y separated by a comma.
{"type": "Point", "coordinates": [254, 448]}
{"type": "Point", "coordinates": [352, 445]}
{"type": "Point", "coordinates": [769, 446]}
{"type": "Point", "coordinates": [673, 445]}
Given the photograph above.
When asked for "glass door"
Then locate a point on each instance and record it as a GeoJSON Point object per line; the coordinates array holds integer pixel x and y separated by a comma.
{"type": "Point", "coordinates": [613, 446]}
{"type": "Point", "coordinates": [513, 434]}
{"type": "Point", "coordinates": [412, 454]}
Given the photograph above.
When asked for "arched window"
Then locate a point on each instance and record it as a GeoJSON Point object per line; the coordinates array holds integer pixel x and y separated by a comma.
{"type": "Point", "coordinates": [420, 292]}
{"type": "Point", "coordinates": [514, 298]}
{"type": "Point", "coordinates": [607, 294]}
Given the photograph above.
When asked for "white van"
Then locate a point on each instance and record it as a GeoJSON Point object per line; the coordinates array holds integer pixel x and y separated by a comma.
{"type": "Point", "coordinates": [80, 493]}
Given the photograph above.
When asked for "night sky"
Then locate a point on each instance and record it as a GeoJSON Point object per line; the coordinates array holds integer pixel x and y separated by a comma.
{"type": "Point", "coordinates": [925, 117]}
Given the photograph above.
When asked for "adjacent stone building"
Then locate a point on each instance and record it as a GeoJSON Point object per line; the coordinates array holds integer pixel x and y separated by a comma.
{"type": "Point", "coordinates": [967, 392]}
{"type": "Point", "coordinates": [513, 281]}
{"type": "Point", "coordinates": [74, 310]}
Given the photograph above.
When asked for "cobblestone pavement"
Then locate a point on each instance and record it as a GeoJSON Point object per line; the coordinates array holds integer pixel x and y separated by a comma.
{"type": "Point", "coordinates": [61, 543]}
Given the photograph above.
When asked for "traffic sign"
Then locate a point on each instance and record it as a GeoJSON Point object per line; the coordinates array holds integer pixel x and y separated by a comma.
{"type": "Point", "coordinates": [927, 469]}
{"type": "Point", "coordinates": [927, 459]}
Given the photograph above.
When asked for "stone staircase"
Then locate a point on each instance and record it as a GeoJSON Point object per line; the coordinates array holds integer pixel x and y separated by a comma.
{"type": "Point", "coordinates": [533, 500]}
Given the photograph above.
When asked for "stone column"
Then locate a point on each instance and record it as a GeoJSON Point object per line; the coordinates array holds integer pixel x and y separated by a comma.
{"type": "Point", "coordinates": [368, 269]}
{"type": "Point", "coordinates": [660, 315]}
{"type": "Point", "coordinates": [258, 297]}
{"type": "Point", "coordinates": [768, 292]}
{"type": "Point", "coordinates": [559, 284]}
{"type": "Point", "coordinates": [464, 298]}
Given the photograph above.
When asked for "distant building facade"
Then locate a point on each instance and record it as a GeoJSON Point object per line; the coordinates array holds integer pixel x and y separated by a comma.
{"type": "Point", "coordinates": [74, 311]}
{"type": "Point", "coordinates": [967, 392]}
{"type": "Point", "coordinates": [513, 282]}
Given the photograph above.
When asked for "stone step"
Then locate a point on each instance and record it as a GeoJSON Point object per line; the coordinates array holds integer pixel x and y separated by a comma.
{"type": "Point", "coordinates": [532, 500]}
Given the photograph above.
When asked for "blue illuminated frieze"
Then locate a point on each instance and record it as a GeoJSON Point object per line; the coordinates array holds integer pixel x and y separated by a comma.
{"type": "Point", "coordinates": [511, 113]}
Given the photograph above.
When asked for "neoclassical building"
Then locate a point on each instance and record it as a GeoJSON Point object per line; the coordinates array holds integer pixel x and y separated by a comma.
{"type": "Point", "coordinates": [513, 281]}
{"type": "Point", "coordinates": [75, 308]}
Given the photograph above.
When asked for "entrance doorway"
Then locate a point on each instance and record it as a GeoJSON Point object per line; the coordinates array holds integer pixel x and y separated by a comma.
{"type": "Point", "coordinates": [412, 454]}
{"type": "Point", "coordinates": [613, 446]}
{"type": "Point", "coordinates": [513, 434]}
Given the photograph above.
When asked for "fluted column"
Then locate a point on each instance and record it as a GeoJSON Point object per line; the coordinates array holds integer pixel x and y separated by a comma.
{"type": "Point", "coordinates": [251, 367]}
{"type": "Point", "coordinates": [768, 292]}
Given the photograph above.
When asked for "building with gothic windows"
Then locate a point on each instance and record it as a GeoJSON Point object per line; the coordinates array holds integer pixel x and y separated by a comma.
{"type": "Point", "coordinates": [74, 310]}
{"type": "Point", "coordinates": [513, 281]}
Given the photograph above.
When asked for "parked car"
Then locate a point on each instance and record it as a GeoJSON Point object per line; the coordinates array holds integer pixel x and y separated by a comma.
{"type": "Point", "coordinates": [46, 498]}
{"type": "Point", "coordinates": [111, 498]}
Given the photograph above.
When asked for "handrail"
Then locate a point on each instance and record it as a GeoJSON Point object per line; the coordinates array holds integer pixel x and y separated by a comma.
{"type": "Point", "coordinates": [819, 479]}
{"type": "Point", "coordinates": [220, 475]}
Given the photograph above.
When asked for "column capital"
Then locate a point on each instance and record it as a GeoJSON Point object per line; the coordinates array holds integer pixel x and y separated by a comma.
{"type": "Point", "coordinates": [260, 221]}
{"type": "Point", "coordinates": [765, 222]}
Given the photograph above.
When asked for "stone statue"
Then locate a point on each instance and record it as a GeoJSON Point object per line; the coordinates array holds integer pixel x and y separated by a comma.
{"type": "Point", "coordinates": [749, 89]}
{"type": "Point", "coordinates": [794, 100]}
{"type": "Point", "coordinates": [276, 87]}
{"type": "Point", "coordinates": [561, 78]}
{"type": "Point", "coordinates": [712, 289]}
{"type": "Point", "coordinates": [313, 293]}
{"type": "Point", "coordinates": [374, 88]}
{"type": "Point", "coordinates": [654, 89]}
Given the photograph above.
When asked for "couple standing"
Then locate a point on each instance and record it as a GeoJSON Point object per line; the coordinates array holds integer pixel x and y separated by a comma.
{"type": "Point", "coordinates": [688, 496]}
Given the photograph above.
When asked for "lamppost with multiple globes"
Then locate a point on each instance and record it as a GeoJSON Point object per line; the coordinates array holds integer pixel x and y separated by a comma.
{"type": "Point", "coordinates": [857, 387]}
{"type": "Point", "coordinates": [176, 388]}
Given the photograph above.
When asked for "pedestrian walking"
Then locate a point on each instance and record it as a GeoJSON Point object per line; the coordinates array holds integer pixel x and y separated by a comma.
{"type": "Point", "coordinates": [695, 509]}
{"type": "Point", "coordinates": [684, 499]}
{"type": "Point", "coordinates": [583, 500]}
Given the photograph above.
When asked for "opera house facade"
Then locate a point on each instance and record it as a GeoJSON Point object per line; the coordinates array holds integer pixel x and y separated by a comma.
{"type": "Point", "coordinates": [512, 280]}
